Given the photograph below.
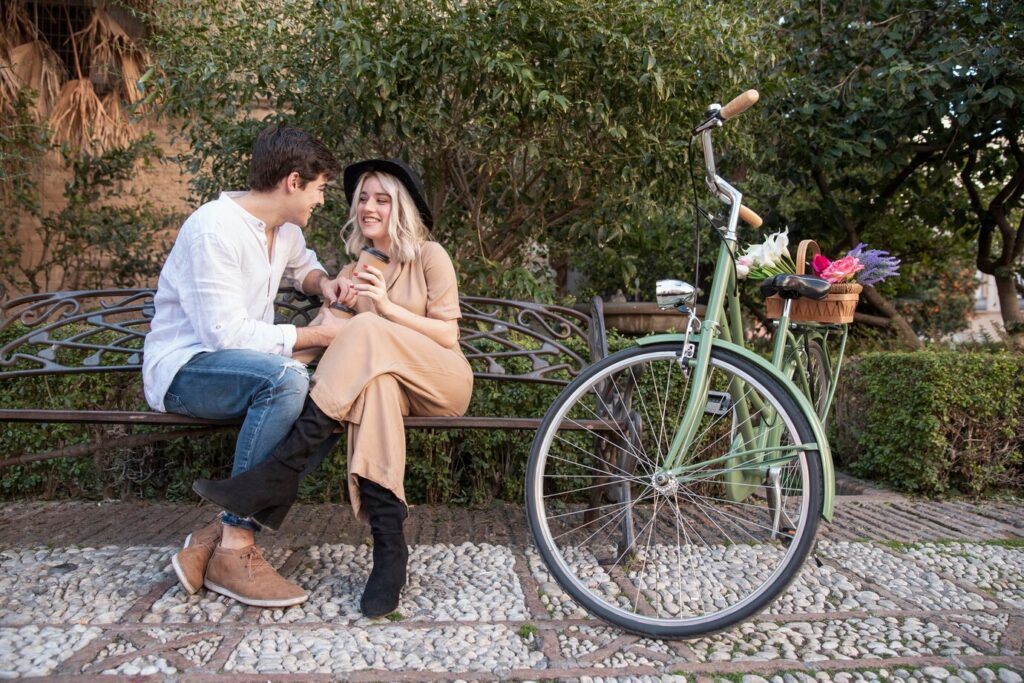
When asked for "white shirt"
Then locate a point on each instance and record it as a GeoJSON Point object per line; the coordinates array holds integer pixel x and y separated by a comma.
{"type": "Point", "coordinates": [217, 289]}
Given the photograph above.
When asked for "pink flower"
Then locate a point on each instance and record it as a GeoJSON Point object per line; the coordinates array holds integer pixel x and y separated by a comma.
{"type": "Point", "coordinates": [819, 263]}
{"type": "Point", "coordinates": [842, 269]}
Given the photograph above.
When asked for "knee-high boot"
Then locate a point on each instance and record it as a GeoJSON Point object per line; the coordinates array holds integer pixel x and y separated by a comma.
{"type": "Point", "coordinates": [267, 490]}
{"type": "Point", "coordinates": [390, 553]}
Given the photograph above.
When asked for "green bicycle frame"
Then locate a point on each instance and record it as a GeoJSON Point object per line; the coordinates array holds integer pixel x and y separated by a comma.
{"type": "Point", "coordinates": [726, 332]}
{"type": "Point", "coordinates": [816, 332]}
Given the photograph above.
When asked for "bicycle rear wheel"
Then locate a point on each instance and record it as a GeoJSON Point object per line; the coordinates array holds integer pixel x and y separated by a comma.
{"type": "Point", "coordinates": [815, 382]}
{"type": "Point", "coordinates": [688, 554]}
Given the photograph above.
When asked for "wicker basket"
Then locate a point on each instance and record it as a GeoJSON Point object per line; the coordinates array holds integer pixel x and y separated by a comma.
{"type": "Point", "coordinates": [837, 307]}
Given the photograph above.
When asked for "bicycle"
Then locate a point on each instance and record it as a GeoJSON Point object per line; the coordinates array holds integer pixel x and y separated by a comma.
{"type": "Point", "coordinates": [674, 488]}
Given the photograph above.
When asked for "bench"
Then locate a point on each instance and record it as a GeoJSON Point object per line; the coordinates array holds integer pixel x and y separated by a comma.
{"type": "Point", "coordinates": [102, 331]}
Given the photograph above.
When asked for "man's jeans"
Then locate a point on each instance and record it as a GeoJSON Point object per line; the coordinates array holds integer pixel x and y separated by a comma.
{"type": "Point", "coordinates": [269, 390]}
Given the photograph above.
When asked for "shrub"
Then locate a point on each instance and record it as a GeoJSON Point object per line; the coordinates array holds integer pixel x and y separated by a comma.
{"type": "Point", "coordinates": [933, 422]}
{"type": "Point", "coordinates": [104, 234]}
{"type": "Point", "coordinates": [443, 466]}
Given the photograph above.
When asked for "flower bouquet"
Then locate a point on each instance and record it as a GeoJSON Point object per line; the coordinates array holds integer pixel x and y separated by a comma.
{"type": "Point", "coordinates": [848, 275]}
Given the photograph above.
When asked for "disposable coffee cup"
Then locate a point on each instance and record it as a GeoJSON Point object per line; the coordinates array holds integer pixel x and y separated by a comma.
{"type": "Point", "coordinates": [372, 257]}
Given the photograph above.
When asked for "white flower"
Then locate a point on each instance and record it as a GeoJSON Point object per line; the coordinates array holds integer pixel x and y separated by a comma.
{"type": "Point", "coordinates": [755, 252]}
{"type": "Point", "coordinates": [769, 252]}
{"type": "Point", "coordinates": [775, 247]}
{"type": "Point", "coordinates": [742, 271]}
{"type": "Point", "coordinates": [782, 242]}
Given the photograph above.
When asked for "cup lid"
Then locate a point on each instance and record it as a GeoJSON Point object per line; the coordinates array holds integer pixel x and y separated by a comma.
{"type": "Point", "coordinates": [373, 251]}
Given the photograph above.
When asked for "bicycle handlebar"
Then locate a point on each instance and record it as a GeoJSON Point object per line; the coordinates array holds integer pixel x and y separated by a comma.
{"type": "Point", "coordinates": [750, 218]}
{"type": "Point", "coordinates": [739, 104]}
{"type": "Point", "coordinates": [716, 116]}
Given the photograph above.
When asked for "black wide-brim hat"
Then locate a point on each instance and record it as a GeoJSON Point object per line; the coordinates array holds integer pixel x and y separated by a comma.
{"type": "Point", "coordinates": [399, 169]}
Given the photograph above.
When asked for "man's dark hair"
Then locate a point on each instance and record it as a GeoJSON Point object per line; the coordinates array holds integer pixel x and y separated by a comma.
{"type": "Point", "coordinates": [281, 149]}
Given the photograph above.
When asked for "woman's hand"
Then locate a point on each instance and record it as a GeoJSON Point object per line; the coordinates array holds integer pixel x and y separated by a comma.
{"type": "Point", "coordinates": [371, 285]}
{"type": "Point", "coordinates": [339, 289]}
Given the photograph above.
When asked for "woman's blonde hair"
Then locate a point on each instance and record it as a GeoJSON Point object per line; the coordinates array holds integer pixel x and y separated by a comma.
{"type": "Point", "coordinates": [405, 225]}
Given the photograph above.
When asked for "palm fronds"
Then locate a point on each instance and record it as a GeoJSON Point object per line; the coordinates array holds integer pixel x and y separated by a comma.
{"type": "Point", "coordinates": [33, 65]}
{"type": "Point", "coordinates": [15, 26]}
{"type": "Point", "coordinates": [79, 118]}
{"type": "Point", "coordinates": [117, 130]}
{"type": "Point", "coordinates": [113, 54]}
{"type": "Point", "coordinates": [88, 112]}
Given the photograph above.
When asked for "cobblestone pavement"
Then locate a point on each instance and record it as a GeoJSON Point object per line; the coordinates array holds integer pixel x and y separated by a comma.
{"type": "Point", "coordinates": [906, 591]}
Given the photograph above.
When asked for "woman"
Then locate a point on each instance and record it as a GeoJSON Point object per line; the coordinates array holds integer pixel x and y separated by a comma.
{"type": "Point", "coordinates": [398, 356]}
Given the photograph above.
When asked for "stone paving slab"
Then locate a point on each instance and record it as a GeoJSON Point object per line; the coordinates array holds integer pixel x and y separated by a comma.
{"type": "Point", "coordinates": [903, 591]}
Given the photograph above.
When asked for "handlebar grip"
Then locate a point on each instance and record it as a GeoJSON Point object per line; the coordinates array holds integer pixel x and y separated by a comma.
{"type": "Point", "coordinates": [739, 104]}
{"type": "Point", "coordinates": [749, 217]}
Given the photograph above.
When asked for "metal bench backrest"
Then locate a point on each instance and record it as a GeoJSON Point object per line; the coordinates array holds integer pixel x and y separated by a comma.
{"type": "Point", "coordinates": [103, 330]}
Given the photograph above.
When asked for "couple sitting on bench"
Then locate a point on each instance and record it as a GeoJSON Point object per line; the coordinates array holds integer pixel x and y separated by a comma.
{"type": "Point", "coordinates": [389, 334]}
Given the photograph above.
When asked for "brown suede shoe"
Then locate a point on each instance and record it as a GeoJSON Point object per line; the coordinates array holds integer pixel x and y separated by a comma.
{"type": "Point", "coordinates": [190, 562]}
{"type": "Point", "coordinates": [244, 575]}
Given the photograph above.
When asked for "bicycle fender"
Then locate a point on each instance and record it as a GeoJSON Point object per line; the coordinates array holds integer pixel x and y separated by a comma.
{"type": "Point", "coordinates": [827, 468]}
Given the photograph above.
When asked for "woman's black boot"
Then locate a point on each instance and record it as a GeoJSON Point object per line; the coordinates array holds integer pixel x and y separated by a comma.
{"type": "Point", "coordinates": [390, 553]}
{"type": "Point", "coordinates": [263, 489]}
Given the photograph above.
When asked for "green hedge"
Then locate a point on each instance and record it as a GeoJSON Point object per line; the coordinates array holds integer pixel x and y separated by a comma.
{"type": "Point", "coordinates": [924, 422]}
{"type": "Point", "coordinates": [933, 422]}
{"type": "Point", "coordinates": [163, 470]}
{"type": "Point", "coordinates": [450, 466]}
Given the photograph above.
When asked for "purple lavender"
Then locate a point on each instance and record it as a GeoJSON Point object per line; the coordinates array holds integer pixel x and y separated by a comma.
{"type": "Point", "coordinates": [878, 265]}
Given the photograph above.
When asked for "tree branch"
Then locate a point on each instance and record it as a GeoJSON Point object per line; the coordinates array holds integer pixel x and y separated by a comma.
{"type": "Point", "coordinates": [896, 321]}
{"type": "Point", "coordinates": [893, 186]}
{"type": "Point", "coordinates": [821, 182]}
{"type": "Point", "coordinates": [984, 259]}
{"type": "Point", "coordinates": [873, 320]}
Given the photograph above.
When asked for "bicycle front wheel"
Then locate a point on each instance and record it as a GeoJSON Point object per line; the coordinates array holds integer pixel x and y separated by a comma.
{"type": "Point", "coordinates": [684, 551]}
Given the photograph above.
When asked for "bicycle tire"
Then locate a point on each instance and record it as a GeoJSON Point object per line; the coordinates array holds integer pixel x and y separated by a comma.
{"type": "Point", "coordinates": [577, 556]}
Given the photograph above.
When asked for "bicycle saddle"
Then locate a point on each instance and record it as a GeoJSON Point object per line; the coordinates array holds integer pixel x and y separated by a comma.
{"type": "Point", "coordinates": [791, 286]}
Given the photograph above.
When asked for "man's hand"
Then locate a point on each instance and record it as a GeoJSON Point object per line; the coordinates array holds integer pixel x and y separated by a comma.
{"type": "Point", "coordinates": [320, 331]}
{"type": "Point", "coordinates": [338, 289]}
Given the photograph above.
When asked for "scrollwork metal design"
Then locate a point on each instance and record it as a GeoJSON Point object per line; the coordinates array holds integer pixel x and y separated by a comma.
{"type": "Point", "coordinates": [523, 340]}
{"type": "Point", "coordinates": [94, 330]}
{"type": "Point", "coordinates": [104, 330]}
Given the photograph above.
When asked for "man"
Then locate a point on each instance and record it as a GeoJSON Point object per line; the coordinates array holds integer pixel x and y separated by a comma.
{"type": "Point", "coordinates": [213, 350]}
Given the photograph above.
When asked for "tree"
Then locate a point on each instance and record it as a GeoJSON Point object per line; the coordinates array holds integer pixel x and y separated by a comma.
{"type": "Point", "coordinates": [529, 118]}
{"type": "Point", "coordinates": [906, 116]}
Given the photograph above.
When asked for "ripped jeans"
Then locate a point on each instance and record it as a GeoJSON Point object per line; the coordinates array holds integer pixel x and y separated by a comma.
{"type": "Point", "coordinates": [269, 390]}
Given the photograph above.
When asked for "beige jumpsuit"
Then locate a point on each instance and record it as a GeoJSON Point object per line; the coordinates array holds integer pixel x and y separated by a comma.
{"type": "Point", "coordinates": [376, 371]}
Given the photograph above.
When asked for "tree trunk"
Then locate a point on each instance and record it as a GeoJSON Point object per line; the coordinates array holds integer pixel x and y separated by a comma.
{"type": "Point", "coordinates": [895, 319]}
{"type": "Point", "coordinates": [1009, 308]}
{"type": "Point", "coordinates": [995, 221]}
{"type": "Point", "coordinates": [897, 322]}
